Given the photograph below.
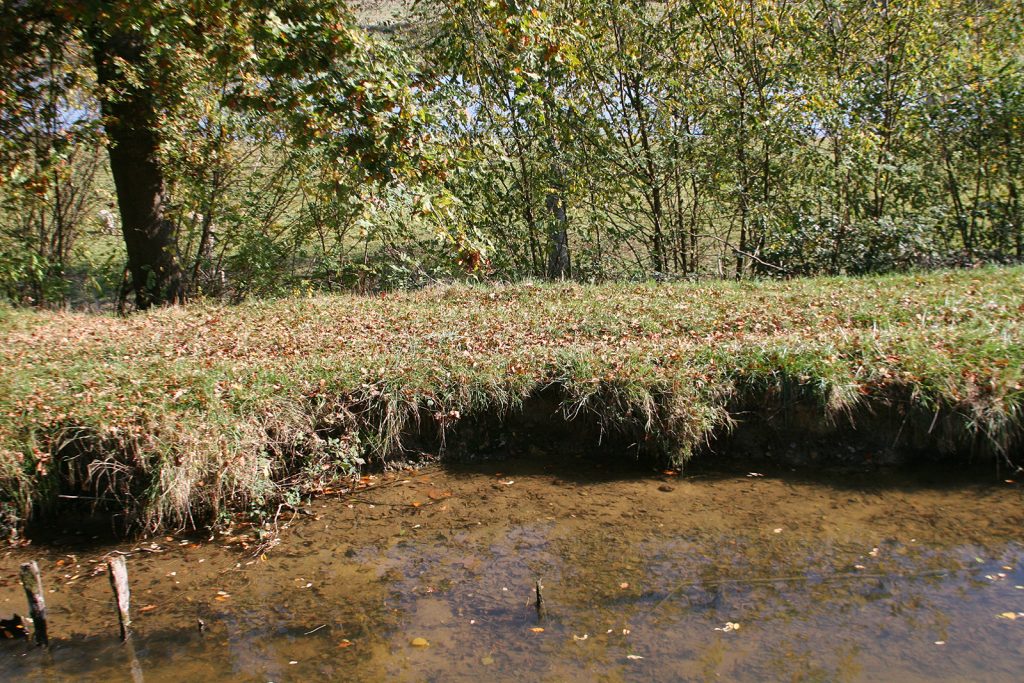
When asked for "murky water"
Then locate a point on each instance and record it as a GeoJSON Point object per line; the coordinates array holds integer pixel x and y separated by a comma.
{"type": "Point", "coordinates": [882, 576]}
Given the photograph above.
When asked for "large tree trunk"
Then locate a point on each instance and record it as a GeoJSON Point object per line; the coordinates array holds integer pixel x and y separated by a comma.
{"type": "Point", "coordinates": [130, 123]}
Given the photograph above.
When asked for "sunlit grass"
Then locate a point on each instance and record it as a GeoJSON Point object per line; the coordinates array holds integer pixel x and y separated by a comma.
{"type": "Point", "coordinates": [178, 414]}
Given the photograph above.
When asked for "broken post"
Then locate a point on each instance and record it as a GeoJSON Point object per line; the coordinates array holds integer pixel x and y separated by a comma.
{"type": "Point", "coordinates": [540, 600]}
{"type": "Point", "coordinates": [33, 584]}
{"type": "Point", "coordinates": [119, 582]}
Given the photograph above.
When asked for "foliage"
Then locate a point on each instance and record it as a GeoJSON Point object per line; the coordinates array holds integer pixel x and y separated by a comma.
{"type": "Point", "coordinates": [185, 92]}
{"type": "Point", "coordinates": [593, 139]}
{"type": "Point", "coordinates": [736, 138]}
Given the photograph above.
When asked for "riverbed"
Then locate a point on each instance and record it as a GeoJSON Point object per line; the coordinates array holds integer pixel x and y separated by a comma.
{"type": "Point", "coordinates": [432, 575]}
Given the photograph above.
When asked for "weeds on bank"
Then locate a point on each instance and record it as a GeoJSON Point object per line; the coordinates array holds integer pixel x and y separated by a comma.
{"type": "Point", "coordinates": [175, 415]}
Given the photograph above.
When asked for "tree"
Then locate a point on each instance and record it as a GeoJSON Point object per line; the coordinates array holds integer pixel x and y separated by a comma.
{"type": "Point", "coordinates": [302, 62]}
{"type": "Point", "coordinates": [514, 63]}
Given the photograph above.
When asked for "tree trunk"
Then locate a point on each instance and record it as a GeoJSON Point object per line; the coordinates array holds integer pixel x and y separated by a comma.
{"type": "Point", "coordinates": [741, 158]}
{"type": "Point", "coordinates": [130, 116]}
{"type": "Point", "coordinates": [558, 254]}
{"type": "Point", "coordinates": [658, 260]}
{"type": "Point", "coordinates": [559, 265]}
{"type": "Point", "coordinates": [958, 206]}
{"type": "Point", "coordinates": [1015, 222]}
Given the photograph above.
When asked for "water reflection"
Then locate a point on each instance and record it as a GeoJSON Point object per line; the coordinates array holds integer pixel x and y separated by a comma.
{"type": "Point", "coordinates": [744, 608]}
{"type": "Point", "coordinates": [716, 579]}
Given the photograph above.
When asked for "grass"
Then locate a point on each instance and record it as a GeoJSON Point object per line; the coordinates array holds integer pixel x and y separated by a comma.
{"type": "Point", "coordinates": [177, 415]}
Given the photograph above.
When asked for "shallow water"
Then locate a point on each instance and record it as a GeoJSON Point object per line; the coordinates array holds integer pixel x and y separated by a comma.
{"type": "Point", "coordinates": [838, 577]}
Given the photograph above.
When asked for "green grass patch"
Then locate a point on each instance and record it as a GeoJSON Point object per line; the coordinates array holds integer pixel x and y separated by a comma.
{"type": "Point", "coordinates": [175, 415]}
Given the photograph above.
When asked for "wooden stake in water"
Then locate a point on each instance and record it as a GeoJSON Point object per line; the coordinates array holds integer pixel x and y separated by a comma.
{"type": "Point", "coordinates": [119, 582]}
{"type": "Point", "coordinates": [118, 572]}
{"type": "Point", "coordinates": [540, 600]}
{"type": "Point", "coordinates": [33, 584]}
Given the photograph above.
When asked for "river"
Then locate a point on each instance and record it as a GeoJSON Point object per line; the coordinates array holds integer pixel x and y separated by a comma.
{"type": "Point", "coordinates": [431, 575]}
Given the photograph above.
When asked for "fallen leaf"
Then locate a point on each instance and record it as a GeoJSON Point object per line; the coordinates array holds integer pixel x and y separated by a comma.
{"type": "Point", "coordinates": [623, 585]}
{"type": "Point", "coordinates": [419, 642]}
{"type": "Point", "coordinates": [147, 608]}
{"type": "Point", "coordinates": [345, 642]}
{"type": "Point", "coordinates": [1008, 615]}
{"type": "Point", "coordinates": [537, 629]}
{"type": "Point", "coordinates": [633, 657]}
{"type": "Point", "coordinates": [487, 661]}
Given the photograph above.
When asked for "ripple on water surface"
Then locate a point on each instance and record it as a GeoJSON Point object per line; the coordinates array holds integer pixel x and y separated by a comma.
{"type": "Point", "coordinates": [729, 577]}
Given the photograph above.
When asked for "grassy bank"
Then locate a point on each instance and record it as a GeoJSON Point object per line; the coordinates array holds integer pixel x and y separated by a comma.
{"type": "Point", "coordinates": [178, 414]}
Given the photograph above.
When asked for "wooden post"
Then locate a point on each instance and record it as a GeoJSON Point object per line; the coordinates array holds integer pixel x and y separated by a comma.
{"type": "Point", "coordinates": [540, 601]}
{"type": "Point", "coordinates": [119, 582]}
{"type": "Point", "coordinates": [33, 584]}
{"type": "Point", "coordinates": [118, 572]}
